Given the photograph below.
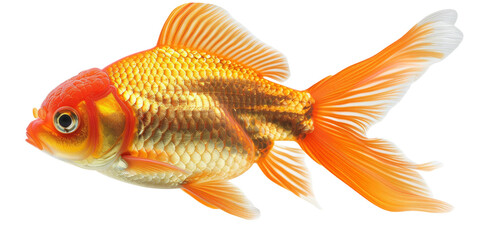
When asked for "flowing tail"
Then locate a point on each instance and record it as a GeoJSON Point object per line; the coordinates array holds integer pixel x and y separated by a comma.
{"type": "Point", "coordinates": [348, 103]}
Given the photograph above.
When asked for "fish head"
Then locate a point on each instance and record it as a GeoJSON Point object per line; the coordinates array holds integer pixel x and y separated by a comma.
{"type": "Point", "coordinates": [70, 124]}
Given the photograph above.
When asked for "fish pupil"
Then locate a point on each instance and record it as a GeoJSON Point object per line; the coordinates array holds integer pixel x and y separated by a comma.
{"type": "Point", "coordinates": [65, 121]}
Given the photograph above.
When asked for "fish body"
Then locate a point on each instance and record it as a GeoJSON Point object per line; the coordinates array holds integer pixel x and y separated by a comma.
{"type": "Point", "coordinates": [204, 105]}
{"type": "Point", "coordinates": [182, 100]}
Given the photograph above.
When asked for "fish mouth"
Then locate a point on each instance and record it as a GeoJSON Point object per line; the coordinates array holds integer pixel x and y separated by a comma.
{"type": "Point", "coordinates": [36, 143]}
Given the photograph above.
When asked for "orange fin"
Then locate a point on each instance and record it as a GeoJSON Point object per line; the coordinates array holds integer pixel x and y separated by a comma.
{"type": "Point", "coordinates": [349, 102]}
{"type": "Point", "coordinates": [222, 195]}
{"type": "Point", "coordinates": [148, 166]}
{"type": "Point", "coordinates": [208, 28]}
{"type": "Point", "coordinates": [285, 167]}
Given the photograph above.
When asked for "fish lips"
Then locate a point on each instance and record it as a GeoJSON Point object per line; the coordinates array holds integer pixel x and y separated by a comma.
{"type": "Point", "coordinates": [31, 136]}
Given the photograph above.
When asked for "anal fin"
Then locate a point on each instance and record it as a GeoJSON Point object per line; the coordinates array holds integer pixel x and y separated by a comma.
{"type": "Point", "coordinates": [285, 167]}
{"type": "Point", "coordinates": [222, 195]}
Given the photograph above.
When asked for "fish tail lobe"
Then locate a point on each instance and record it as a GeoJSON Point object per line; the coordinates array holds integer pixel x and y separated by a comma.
{"type": "Point", "coordinates": [349, 102]}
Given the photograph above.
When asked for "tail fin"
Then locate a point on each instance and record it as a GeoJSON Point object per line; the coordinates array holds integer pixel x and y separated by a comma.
{"type": "Point", "coordinates": [348, 103]}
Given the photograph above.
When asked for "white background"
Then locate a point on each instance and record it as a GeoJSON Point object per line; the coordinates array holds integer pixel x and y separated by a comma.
{"type": "Point", "coordinates": [44, 43]}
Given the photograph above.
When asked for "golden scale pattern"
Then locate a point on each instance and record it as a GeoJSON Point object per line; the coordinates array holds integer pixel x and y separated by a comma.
{"type": "Point", "coordinates": [192, 109]}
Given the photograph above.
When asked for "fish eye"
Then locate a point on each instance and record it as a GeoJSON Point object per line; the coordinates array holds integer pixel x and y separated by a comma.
{"type": "Point", "coordinates": [65, 120]}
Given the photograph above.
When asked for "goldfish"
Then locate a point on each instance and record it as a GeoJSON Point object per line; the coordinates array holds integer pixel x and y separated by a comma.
{"type": "Point", "coordinates": [205, 104]}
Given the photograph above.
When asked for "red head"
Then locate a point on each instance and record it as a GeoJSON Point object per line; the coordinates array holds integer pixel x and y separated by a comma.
{"type": "Point", "coordinates": [81, 121]}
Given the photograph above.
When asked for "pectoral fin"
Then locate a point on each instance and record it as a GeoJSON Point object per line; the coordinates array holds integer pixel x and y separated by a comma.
{"type": "Point", "coordinates": [149, 166]}
{"type": "Point", "coordinates": [222, 195]}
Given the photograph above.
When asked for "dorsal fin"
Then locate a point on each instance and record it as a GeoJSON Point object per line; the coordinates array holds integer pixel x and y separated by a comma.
{"type": "Point", "coordinates": [208, 28]}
